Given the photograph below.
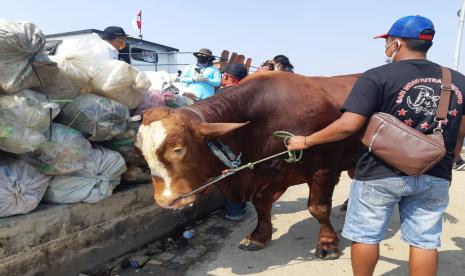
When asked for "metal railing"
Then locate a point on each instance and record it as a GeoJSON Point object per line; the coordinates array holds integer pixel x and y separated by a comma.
{"type": "Point", "coordinates": [185, 59]}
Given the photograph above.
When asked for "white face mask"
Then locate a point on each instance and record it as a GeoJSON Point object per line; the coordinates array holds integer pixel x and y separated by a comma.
{"type": "Point", "coordinates": [391, 58]}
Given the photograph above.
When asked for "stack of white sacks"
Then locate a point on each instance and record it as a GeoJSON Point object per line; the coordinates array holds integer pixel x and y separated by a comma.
{"type": "Point", "coordinates": [55, 113]}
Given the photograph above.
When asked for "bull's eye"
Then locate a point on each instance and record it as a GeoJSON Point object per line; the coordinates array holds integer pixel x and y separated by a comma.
{"type": "Point", "coordinates": [179, 151]}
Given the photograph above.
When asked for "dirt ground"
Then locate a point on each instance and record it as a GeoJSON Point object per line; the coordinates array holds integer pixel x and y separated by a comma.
{"type": "Point", "coordinates": [295, 233]}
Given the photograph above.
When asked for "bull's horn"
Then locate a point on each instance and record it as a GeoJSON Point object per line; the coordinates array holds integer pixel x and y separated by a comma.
{"type": "Point", "coordinates": [215, 129]}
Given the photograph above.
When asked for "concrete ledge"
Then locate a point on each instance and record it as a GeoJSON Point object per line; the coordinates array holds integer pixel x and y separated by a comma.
{"type": "Point", "coordinates": [68, 239]}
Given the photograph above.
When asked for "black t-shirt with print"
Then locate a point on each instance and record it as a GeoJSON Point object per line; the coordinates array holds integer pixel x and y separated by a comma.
{"type": "Point", "coordinates": [409, 90]}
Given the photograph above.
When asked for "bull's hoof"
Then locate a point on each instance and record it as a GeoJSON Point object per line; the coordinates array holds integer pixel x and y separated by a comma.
{"type": "Point", "coordinates": [250, 245]}
{"type": "Point", "coordinates": [327, 254]}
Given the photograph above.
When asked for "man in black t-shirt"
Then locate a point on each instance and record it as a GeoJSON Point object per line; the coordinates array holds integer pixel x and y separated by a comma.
{"type": "Point", "coordinates": [409, 88]}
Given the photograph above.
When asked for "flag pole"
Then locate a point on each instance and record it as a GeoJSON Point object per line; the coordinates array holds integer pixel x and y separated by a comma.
{"type": "Point", "coordinates": [140, 29]}
{"type": "Point", "coordinates": [459, 37]}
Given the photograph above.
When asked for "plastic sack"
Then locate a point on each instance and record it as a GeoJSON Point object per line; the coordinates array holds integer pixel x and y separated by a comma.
{"type": "Point", "coordinates": [22, 47]}
{"type": "Point", "coordinates": [25, 117]}
{"type": "Point", "coordinates": [125, 145]}
{"type": "Point", "coordinates": [99, 118]}
{"type": "Point", "coordinates": [21, 187]}
{"type": "Point", "coordinates": [152, 99]}
{"type": "Point", "coordinates": [175, 100]}
{"type": "Point", "coordinates": [101, 174]}
{"type": "Point", "coordinates": [159, 79]}
{"type": "Point", "coordinates": [121, 82]}
{"type": "Point", "coordinates": [88, 54]}
{"type": "Point", "coordinates": [68, 83]}
{"type": "Point", "coordinates": [65, 153]}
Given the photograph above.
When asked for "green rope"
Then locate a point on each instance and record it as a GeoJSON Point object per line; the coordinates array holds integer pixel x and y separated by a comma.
{"type": "Point", "coordinates": [294, 155]}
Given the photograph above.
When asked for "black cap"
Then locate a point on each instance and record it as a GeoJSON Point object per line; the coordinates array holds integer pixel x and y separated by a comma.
{"type": "Point", "coordinates": [203, 51]}
{"type": "Point", "coordinates": [113, 32]}
{"type": "Point", "coordinates": [238, 70]}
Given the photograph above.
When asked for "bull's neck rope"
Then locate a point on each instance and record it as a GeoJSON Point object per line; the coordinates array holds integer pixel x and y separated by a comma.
{"type": "Point", "coordinates": [221, 151]}
{"type": "Point", "coordinates": [294, 156]}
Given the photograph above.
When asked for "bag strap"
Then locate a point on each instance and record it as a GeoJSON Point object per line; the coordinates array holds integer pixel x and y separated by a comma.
{"type": "Point", "coordinates": [446, 90]}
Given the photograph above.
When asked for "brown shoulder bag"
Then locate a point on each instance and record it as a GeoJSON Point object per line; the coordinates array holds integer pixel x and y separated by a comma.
{"type": "Point", "coordinates": [404, 147]}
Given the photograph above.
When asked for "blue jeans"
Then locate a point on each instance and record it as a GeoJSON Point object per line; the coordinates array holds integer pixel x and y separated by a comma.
{"type": "Point", "coordinates": [421, 199]}
{"type": "Point", "coordinates": [234, 209]}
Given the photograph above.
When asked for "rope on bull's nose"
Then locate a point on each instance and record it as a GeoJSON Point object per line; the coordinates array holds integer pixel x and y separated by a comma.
{"type": "Point", "coordinates": [294, 155]}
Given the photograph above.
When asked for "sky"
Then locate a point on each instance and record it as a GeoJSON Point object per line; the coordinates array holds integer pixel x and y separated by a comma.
{"type": "Point", "coordinates": [320, 37]}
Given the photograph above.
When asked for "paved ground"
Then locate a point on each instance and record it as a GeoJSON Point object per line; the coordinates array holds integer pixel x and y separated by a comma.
{"type": "Point", "coordinates": [214, 251]}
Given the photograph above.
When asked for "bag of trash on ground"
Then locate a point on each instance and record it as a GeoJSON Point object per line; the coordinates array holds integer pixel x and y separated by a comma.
{"type": "Point", "coordinates": [99, 118]}
{"type": "Point", "coordinates": [68, 83]}
{"type": "Point", "coordinates": [25, 117]}
{"type": "Point", "coordinates": [101, 174]}
{"type": "Point", "coordinates": [22, 57]}
{"type": "Point", "coordinates": [21, 187]}
{"type": "Point", "coordinates": [152, 99]}
{"type": "Point", "coordinates": [63, 154]}
{"type": "Point", "coordinates": [121, 82]}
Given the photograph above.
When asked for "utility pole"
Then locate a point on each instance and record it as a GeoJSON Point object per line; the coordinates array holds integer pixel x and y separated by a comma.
{"type": "Point", "coordinates": [459, 37]}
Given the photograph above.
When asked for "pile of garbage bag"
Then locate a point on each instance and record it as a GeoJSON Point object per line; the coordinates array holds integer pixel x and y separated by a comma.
{"type": "Point", "coordinates": [114, 79]}
{"type": "Point", "coordinates": [25, 117]}
{"type": "Point", "coordinates": [64, 152]}
{"type": "Point", "coordinates": [99, 118]}
{"type": "Point", "coordinates": [96, 181]}
{"type": "Point", "coordinates": [69, 82]}
{"type": "Point", "coordinates": [120, 81]}
{"type": "Point", "coordinates": [68, 121]}
{"type": "Point", "coordinates": [152, 99]}
{"type": "Point", "coordinates": [22, 187]}
{"type": "Point", "coordinates": [23, 62]}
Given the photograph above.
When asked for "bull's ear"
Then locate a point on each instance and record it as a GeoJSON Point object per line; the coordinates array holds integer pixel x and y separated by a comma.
{"type": "Point", "coordinates": [215, 129]}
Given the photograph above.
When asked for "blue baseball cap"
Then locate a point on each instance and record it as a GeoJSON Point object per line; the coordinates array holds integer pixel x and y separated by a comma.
{"type": "Point", "coordinates": [411, 26]}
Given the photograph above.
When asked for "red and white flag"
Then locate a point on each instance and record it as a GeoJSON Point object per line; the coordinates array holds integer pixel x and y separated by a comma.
{"type": "Point", "coordinates": [137, 21]}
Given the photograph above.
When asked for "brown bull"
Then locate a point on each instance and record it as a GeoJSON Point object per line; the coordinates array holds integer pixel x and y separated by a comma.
{"type": "Point", "coordinates": [173, 143]}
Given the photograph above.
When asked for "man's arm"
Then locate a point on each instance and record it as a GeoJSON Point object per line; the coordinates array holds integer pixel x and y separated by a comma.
{"type": "Point", "coordinates": [458, 147]}
{"type": "Point", "coordinates": [186, 76]}
{"type": "Point", "coordinates": [215, 80]}
{"type": "Point", "coordinates": [348, 124]}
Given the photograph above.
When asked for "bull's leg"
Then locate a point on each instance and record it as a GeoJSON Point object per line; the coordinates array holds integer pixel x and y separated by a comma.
{"type": "Point", "coordinates": [261, 236]}
{"type": "Point", "coordinates": [319, 205]}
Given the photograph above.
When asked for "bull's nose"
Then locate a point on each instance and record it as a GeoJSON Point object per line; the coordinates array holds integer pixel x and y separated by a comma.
{"type": "Point", "coordinates": [173, 202]}
{"type": "Point", "coordinates": [164, 201]}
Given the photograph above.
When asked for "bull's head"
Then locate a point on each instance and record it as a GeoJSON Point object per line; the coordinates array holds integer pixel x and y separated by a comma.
{"type": "Point", "coordinates": [173, 146]}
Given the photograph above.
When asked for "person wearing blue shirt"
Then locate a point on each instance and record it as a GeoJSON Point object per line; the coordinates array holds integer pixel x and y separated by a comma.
{"type": "Point", "coordinates": [201, 78]}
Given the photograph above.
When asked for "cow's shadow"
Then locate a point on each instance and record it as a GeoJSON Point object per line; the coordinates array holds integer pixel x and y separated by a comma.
{"type": "Point", "coordinates": [298, 244]}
